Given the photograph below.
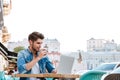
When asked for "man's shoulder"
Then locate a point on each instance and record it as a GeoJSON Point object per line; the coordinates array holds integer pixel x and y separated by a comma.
{"type": "Point", "coordinates": [22, 52]}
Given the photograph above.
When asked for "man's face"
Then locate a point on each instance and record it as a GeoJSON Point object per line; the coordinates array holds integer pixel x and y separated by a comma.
{"type": "Point", "coordinates": [36, 45]}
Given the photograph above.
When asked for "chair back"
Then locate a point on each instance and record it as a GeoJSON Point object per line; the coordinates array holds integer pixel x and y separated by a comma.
{"type": "Point", "coordinates": [113, 76]}
{"type": "Point", "coordinates": [92, 75]}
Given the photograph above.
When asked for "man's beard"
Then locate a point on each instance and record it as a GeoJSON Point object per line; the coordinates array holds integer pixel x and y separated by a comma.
{"type": "Point", "coordinates": [34, 49]}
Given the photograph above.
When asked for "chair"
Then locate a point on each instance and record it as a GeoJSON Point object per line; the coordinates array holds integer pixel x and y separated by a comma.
{"type": "Point", "coordinates": [8, 77]}
{"type": "Point", "coordinates": [112, 76]}
{"type": "Point", "coordinates": [2, 75]}
{"type": "Point", "coordinates": [92, 75]}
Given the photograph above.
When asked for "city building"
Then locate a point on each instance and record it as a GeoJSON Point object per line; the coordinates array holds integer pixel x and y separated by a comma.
{"type": "Point", "coordinates": [93, 59]}
{"type": "Point", "coordinates": [95, 44]}
{"type": "Point", "coordinates": [98, 51]}
{"type": "Point", "coordinates": [53, 45]}
{"type": "Point", "coordinates": [101, 45]}
{"type": "Point", "coordinates": [11, 45]}
{"type": "Point", "coordinates": [110, 46]}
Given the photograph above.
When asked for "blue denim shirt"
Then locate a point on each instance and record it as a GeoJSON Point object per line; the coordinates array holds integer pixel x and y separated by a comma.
{"type": "Point", "coordinates": [26, 56]}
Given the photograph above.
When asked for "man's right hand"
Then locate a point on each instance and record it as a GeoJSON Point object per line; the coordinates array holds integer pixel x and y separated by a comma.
{"type": "Point", "coordinates": [43, 52]}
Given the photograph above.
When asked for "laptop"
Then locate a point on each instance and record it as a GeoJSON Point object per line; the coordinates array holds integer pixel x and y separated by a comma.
{"type": "Point", "coordinates": [65, 65]}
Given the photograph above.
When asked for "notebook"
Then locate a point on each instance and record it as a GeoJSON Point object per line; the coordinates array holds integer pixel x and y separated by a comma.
{"type": "Point", "coordinates": [65, 65]}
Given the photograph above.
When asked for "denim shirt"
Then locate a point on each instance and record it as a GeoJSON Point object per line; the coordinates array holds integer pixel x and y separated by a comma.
{"type": "Point", "coordinates": [26, 56]}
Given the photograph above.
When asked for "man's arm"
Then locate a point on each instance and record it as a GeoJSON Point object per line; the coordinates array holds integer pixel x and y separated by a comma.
{"type": "Point", "coordinates": [23, 64]}
{"type": "Point", "coordinates": [36, 59]}
{"type": "Point", "coordinates": [32, 63]}
{"type": "Point", "coordinates": [49, 66]}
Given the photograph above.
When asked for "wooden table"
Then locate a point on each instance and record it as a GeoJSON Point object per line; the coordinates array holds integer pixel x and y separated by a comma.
{"type": "Point", "coordinates": [49, 75]}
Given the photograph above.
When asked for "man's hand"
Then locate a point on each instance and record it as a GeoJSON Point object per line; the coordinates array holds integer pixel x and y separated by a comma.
{"type": "Point", "coordinates": [43, 53]}
{"type": "Point", "coordinates": [54, 71]}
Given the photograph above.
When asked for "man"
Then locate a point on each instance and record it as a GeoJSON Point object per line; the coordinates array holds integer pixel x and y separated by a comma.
{"type": "Point", "coordinates": [34, 60]}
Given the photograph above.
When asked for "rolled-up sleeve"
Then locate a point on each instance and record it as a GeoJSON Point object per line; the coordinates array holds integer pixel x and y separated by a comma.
{"type": "Point", "coordinates": [49, 66]}
{"type": "Point", "coordinates": [21, 63]}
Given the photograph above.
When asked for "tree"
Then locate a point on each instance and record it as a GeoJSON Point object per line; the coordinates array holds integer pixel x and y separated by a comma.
{"type": "Point", "coordinates": [19, 48]}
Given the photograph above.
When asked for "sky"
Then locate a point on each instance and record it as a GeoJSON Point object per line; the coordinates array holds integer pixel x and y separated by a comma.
{"type": "Point", "coordinates": [71, 22]}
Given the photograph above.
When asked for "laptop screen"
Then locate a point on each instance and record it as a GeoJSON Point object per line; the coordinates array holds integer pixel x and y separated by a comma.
{"type": "Point", "coordinates": [65, 65]}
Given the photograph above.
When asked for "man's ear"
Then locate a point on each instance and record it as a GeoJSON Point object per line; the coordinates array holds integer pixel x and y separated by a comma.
{"type": "Point", "coordinates": [30, 42]}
